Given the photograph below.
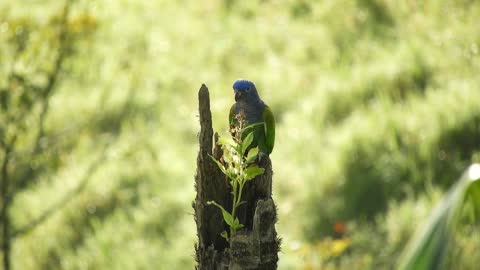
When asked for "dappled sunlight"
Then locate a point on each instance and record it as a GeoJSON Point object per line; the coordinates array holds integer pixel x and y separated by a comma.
{"type": "Point", "coordinates": [376, 106]}
{"type": "Point", "coordinates": [474, 172]}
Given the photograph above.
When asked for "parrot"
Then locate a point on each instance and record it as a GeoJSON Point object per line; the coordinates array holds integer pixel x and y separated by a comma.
{"type": "Point", "coordinates": [253, 110]}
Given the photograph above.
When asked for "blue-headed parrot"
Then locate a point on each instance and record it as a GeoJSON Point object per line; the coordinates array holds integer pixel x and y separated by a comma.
{"type": "Point", "coordinates": [253, 110]}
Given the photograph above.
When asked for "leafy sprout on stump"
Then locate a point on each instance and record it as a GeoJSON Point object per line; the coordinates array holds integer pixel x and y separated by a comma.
{"type": "Point", "coordinates": [239, 167]}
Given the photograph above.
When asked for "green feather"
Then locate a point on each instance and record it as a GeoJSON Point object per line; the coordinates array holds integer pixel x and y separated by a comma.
{"type": "Point", "coordinates": [264, 136]}
{"type": "Point", "coordinates": [231, 116]}
{"type": "Point", "coordinates": [269, 129]}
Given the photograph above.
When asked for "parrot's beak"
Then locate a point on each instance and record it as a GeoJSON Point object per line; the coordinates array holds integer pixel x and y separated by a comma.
{"type": "Point", "coordinates": [238, 94]}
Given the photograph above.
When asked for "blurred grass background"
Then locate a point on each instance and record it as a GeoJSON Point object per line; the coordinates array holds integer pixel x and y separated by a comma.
{"type": "Point", "coordinates": [376, 102]}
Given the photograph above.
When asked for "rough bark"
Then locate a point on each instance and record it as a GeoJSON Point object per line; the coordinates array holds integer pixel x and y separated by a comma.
{"type": "Point", "coordinates": [254, 247]}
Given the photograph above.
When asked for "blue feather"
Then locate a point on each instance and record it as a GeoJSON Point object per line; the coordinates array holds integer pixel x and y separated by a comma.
{"type": "Point", "coordinates": [243, 85]}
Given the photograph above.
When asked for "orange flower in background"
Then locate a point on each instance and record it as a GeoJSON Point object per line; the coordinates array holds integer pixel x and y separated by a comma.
{"type": "Point", "coordinates": [339, 227]}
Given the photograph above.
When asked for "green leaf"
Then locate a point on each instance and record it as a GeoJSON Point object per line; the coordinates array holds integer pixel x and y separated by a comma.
{"type": "Point", "coordinates": [428, 247]}
{"type": "Point", "coordinates": [252, 172]}
{"type": "Point", "coordinates": [246, 143]}
{"type": "Point", "coordinates": [252, 155]}
{"type": "Point", "coordinates": [227, 157]}
{"type": "Point", "coordinates": [224, 234]}
{"type": "Point", "coordinates": [474, 196]}
{"type": "Point", "coordinates": [230, 172]}
{"type": "Point", "coordinates": [252, 126]}
{"type": "Point", "coordinates": [226, 141]}
{"type": "Point", "coordinates": [218, 164]}
{"type": "Point", "coordinates": [242, 202]}
{"type": "Point", "coordinates": [237, 225]}
{"type": "Point", "coordinates": [226, 215]}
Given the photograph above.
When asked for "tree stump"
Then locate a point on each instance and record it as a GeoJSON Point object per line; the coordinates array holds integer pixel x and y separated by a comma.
{"type": "Point", "coordinates": [254, 247]}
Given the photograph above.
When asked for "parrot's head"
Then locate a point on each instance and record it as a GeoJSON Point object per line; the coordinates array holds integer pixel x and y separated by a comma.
{"type": "Point", "coordinates": [245, 90]}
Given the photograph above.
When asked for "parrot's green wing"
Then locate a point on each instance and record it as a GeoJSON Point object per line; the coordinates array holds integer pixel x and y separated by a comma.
{"type": "Point", "coordinates": [231, 116]}
{"type": "Point", "coordinates": [269, 128]}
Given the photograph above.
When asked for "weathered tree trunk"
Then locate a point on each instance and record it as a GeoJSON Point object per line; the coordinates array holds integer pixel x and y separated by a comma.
{"type": "Point", "coordinates": [254, 247]}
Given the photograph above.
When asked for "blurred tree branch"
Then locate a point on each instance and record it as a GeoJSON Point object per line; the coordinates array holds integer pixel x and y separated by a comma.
{"type": "Point", "coordinates": [65, 199]}
{"type": "Point", "coordinates": [45, 94]}
{"type": "Point", "coordinates": [24, 101]}
{"type": "Point", "coordinates": [4, 215]}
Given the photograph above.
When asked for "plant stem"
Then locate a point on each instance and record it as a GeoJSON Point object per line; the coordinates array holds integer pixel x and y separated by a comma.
{"type": "Point", "coordinates": [234, 207]}
{"type": "Point", "coordinates": [240, 193]}
{"type": "Point", "coordinates": [237, 197]}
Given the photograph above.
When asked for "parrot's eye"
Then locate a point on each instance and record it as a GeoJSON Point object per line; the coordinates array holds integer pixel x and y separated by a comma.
{"type": "Point", "coordinates": [248, 89]}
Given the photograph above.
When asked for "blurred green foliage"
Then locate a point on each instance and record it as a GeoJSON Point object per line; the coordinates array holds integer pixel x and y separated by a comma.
{"type": "Point", "coordinates": [429, 247]}
{"type": "Point", "coordinates": [377, 114]}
